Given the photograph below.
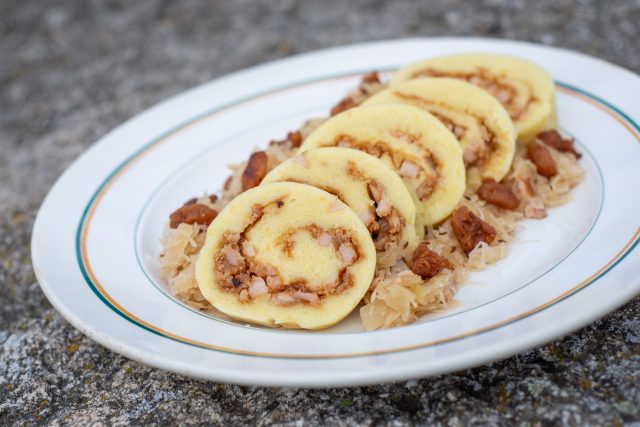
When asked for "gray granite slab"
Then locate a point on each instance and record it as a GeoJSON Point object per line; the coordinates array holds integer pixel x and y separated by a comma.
{"type": "Point", "coordinates": [72, 70]}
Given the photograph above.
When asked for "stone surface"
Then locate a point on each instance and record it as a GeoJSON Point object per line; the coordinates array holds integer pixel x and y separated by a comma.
{"type": "Point", "coordinates": [72, 70]}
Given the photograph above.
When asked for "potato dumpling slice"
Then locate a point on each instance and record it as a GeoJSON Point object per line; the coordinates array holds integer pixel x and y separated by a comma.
{"type": "Point", "coordinates": [371, 188]}
{"type": "Point", "coordinates": [414, 143]}
{"type": "Point", "coordinates": [286, 254]}
{"type": "Point", "coordinates": [522, 87]}
{"type": "Point", "coordinates": [479, 122]}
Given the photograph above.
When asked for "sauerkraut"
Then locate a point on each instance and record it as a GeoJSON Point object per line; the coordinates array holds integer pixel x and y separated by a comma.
{"type": "Point", "coordinates": [397, 295]}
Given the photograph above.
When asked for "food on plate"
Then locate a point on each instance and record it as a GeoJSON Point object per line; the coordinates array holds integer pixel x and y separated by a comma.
{"type": "Point", "coordinates": [497, 194]}
{"type": "Point", "coordinates": [369, 86]}
{"type": "Point", "coordinates": [368, 186]}
{"type": "Point", "coordinates": [540, 156]}
{"type": "Point", "coordinates": [470, 230]}
{"type": "Point", "coordinates": [479, 122]}
{"type": "Point", "coordinates": [286, 254]}
{"type": "Point", "coordinates": [278, 248]}
{"type": "Point", "coordinates": [525, 89]}
{"type": "Point", "coordinates": [413, 142]}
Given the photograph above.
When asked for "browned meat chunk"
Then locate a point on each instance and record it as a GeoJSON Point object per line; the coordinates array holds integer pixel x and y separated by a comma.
{"type": "Point", "coordinates": [370, 78]}
{"type": "Point", "coordinates": [470, 230]}
{"type": "Point", "coordinates": [369, 81]}
{"type": "Point", "coordinates": [553, 139]}
{"type": "Point", "coordinates": [498, 194]}
{"type": "Point", "coordinates": [343, 105]}
{"type": "Point", "coordinates": [294, 139]}
{"type": "Point", "coordinates": [256, 170]}
{"type": "Point", "coordinates": [194, 213]}
{"type": "Point", "coordinates": [427, 263]}
{"type": "Point", "coordinates": [541, 158]}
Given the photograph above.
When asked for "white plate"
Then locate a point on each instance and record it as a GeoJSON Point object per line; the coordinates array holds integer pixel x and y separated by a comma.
{"type": "Point", "coordinates": [95, 241]}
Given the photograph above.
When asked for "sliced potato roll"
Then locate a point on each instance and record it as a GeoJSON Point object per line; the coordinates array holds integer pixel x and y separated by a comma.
{"type": "Point", "coordinates": [286, 254]}
{"type": "Point", "coordinates": [368, 186]}
{"type": "Point", "coordinates": [413, 142]}
{"type": "Point", "coordinates": [479, 122]}
{"type": "Point", "coordinates": [524, 89]}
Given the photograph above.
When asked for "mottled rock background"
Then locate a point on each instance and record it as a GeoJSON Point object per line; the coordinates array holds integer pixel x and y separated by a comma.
{"type": "Point", "coordinates": [72, 70]}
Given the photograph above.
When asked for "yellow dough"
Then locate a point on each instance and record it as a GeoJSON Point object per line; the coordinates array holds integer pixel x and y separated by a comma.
{"type": "Point", "coordinates": [413, 142]}
{"type": "Point", "coordinates": [525, 89]}
{"type": "Point", "coordinates": [286, 254]}
{"type": "Point", "coordinates": [370, 187]}
{"type": "Point", "coordinates": [481, 124]}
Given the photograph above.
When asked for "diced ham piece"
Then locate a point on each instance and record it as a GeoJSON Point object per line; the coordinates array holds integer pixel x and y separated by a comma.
{"type": "Point", "coordinates": [305, 296]}
{"type": "Point", "coordinates": [257, 287]}
{"type": "Point", "coordinates": [232, 256]}
{"type": "Point", "coordinates": [409, 169]}
{"type": "Point", "coordinates": [283, 298]}
{"type": "Point", "coordinates": [347, 253]}
{"type": "Point", "coordinates": [504, 96]}
{"type": "Point", "coordinates": [324, 239]}
{"type": "Point", "coordinates": [384, 206]}
{"type": "Point", "coordinates": [274, 283]}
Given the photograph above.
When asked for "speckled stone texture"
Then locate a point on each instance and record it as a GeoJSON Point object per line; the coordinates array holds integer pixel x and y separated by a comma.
{"type": "Point", "coordinates": [72, 70]}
